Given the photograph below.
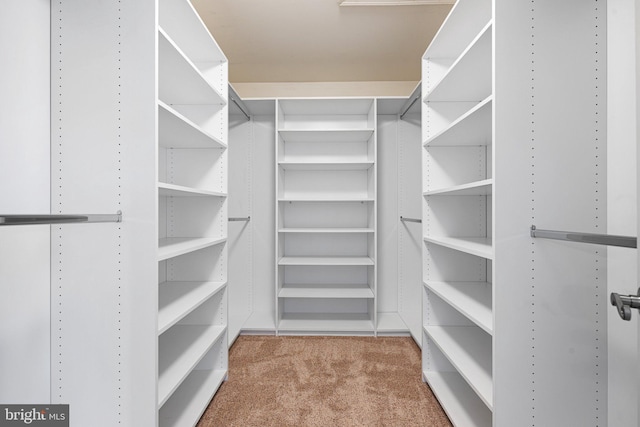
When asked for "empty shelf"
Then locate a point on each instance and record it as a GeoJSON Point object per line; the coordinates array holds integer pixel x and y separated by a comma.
{"type": "Point", "coordinates": [177, 131]}
{"type": "Point", "coordinates": [478, 188]}
{"type": "Point", "coordinates": [478, 246]}
{"type": "Point", "coordinates": [326, 230]}
{"type": "Point", "coordinates": [326, 291]}
{"type": "Point", "coordinates": [472, 299]}
{"type": "Point", "coordinates": [462, 405]}
{"type": "Point", "coordinates": [469, 350]}
{"type": "Point", "coordinates": [475, 127]}
{"type": "Point", "coordinates": [186, 405]}
{"type": "Point", "coordinates": [391, 323]}
{"type": "Point", "coordinates": [173, 190]}
{"type": "Point", "coordinates": [470, 76]}
{"type": "Point", "coordinates": [180, 350]}
{"type": "Point", "coordinates": [320, 322]}
{"type": "Point", "coordinates": [177, 299]}
{"type": "Point", "coordinates": [326, 260]}
{"type": "Point", "coordinates": [326, 135]}
{"type": "Point", "coordinates": [260, 321]}
{"type": "Point", "coordinates": [179, 80]}
{"type": "Point", "coordinates": [181, 20]}
{"type": "Point", "coordinates": [175, 246]}
{"type": "Point", "coordinates": [325, 166]}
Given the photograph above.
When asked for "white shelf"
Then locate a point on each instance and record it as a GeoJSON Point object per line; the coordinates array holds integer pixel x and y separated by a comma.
{"type": "Point", "coordinates": [180, 81]}
{"type": "Point", "coordinates": [175, 246]}
{"type": "Point", "coordinates": [474, 128]}
{"type": "Point", "coordinates": [470, 76]}
{"type": "Point", "coordinates": [326, 291]}
{"type": "Point", "coordinates": [325, 260]}
{"type": "Point", "coordinates": [172, 190]}
{"type": "Point", "coordinates": [461, 404]}
{"type": "Point", "coordinates": [190, 400]}
{"type": "Point", "coordinates": [472, 299]}
{"type": "Point", "coordinates": [177, 131]}
{"type": "Point", "coordinates": [463, 23]}
{"type": "Point", "coordinates": [469, 349]}
{"type": "Point", "coordinates": [258, 321]}
{"type": "Point", "coordinates": [478, 246]}
{"type": "Point", "coordinates": [326, 199]}
{"type": "Point", "coordinates": [326, 230]}
{"type": "Point", "coordinates": [478, 188]}
{"type": "Point", "coordinates": [391, 323]}
{"type": "Point", "coordinates": [184, 24]}
{"type": "Point", "coordinates": [177, 299]}
{"type": "Point", "coordinates": [326, 135]}
{"type": "Point", "coordinates": [326, 322]}
{"type": "Point", "coordinates": [326, 166]}
{"type": "Point", "coordinates": [180, 350]}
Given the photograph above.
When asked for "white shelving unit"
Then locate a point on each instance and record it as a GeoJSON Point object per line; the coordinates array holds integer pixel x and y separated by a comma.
{"type": "Point", "coordinates": [499, 124]}
{"type": "Point", "coordinates": [192, 206]}
{"type": "Point", "coordinates": [142, 93]}
{"type": "Point", "coordinates": [326, 216]}
{"type": "Point", "coordinates": [457, 215]}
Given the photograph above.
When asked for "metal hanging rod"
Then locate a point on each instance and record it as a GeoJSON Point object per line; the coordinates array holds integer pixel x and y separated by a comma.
{"type": "Point", "coordinates": [403, 219]}
{"type": "Point", "coordinates": [57, 219]}
{"type": "Point", "coordinates": [596, 239]}
{"type": "Point", "coordinates": [247, 219]}
{"type": "Point", "coordinates": [233, 96]}
{"type": "Point", "coordinates": [417, 93]}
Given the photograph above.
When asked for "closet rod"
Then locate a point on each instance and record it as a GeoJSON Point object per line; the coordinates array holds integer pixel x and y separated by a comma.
{"type": "Point", "coordinates": [248, 218]}
{"type": "Point", "coordinates": [597, 239]}
{"type": "Point", "coordinates": [233, 95]}
{"type": "Point", "coordinates": [57, 219]}
{"type": "Point", "coordinates": [417, 93]}
{"type": "Point", "coordinates": [403, 219]}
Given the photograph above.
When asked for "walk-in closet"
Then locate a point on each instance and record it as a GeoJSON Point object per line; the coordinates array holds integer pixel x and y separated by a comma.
{"type": "Point", "coordinates": [364, 212]}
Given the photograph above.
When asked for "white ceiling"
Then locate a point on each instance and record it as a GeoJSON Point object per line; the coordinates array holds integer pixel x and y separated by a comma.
{"type": "Point", "coordinates": [319, 41]}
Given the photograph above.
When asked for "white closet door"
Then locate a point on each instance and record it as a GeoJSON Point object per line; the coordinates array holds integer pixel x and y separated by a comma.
{"type": "Point", "coordinates": [24, 189]}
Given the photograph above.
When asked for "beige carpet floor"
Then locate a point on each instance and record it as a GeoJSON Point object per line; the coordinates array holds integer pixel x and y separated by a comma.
{"type": "Point", "coordinates": [324, 381]}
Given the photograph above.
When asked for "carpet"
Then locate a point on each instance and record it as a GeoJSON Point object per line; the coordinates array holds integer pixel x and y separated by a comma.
{"type": "Point", "coordinates": [324, 381]}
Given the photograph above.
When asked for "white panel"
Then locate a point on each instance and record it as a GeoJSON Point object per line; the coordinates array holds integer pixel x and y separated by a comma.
{"type": "Point", "coordinates": [457, 216]}
{"type": "Point", "coordinates": [450, 166]}
{"type": "Point", "coordinates": [297, 215]}
{"type": "Point", "coordinates": [104, 276]}
{"type": "Point", "coordinates": [388, 215]}
{"type": "Point", "coordinates": [200, 168]}
{"type": "Point", "coordinates": [320, 305]}
{"type": "Point", "coordinates": [621, 208]}
{"type": "Point", "coordinates": [550, 364]}
{"type": "Point", "coordinates": [263, 220]}
{"type": "Point", "coordinates": [24, 189]}
{"type": "Point", "coordinates": [325, 184]}
{"type": "Point", "coordinates": [409, 233]}
{"type": "Point", "coordinates": [240, 233]}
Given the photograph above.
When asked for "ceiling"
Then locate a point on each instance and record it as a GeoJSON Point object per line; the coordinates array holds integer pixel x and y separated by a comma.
{"type": "Point", "coordinates": [319, 41]}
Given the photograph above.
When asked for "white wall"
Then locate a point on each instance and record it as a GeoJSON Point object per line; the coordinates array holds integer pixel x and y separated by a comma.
{"type": "Point", "coordinates": [621, 210]}
{"type": "Point", "coordinates": [24, 188]}
{"type": "Point", "coordinates": [324, 89]}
